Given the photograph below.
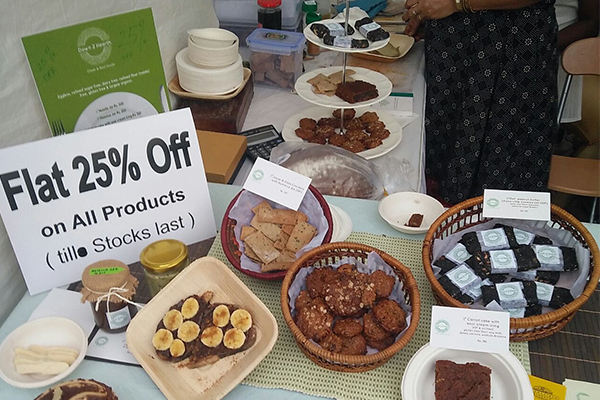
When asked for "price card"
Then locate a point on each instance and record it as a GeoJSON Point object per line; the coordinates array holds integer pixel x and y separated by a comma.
{"type": "Point", "coordinates": [104, 193]}
{"type": "Point", "coordinates": [516, 205]}
{"type": "Point", "coordinates": [468, 329]}
{"type": "Point", "coordinates": [277, 183]}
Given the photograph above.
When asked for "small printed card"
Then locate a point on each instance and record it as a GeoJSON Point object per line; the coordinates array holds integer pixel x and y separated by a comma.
{"type": "Point", "coordinates": [516, 205]}
{"type": "Point", "coordinates": [578, 390]}
{"type": "Point", "coordinates": [471, 330]}
{"type": "Point", "coordinates": [277, 184]}
{"type": "Point", "coordinates": [543, 389]}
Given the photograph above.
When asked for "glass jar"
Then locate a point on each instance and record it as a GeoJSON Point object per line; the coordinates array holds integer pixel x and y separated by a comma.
{"type": "Point", "coordinates": [162, 261]}
{"type": "Point", "coordinates": [109, 287]}
{"type": "Point", "coordinates": [269, 14]}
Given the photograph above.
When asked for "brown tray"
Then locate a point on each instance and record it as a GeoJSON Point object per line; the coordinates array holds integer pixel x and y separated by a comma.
{"type": "Point", "coordinates": [175, 88]}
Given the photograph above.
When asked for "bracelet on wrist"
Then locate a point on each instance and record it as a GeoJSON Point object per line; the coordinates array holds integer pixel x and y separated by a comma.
{"type": "Point", "coordinates": [459, 5]}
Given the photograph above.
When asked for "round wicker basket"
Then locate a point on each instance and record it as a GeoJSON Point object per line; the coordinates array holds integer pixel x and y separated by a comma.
{"type": "Point", "coordinates": [231, 247]}
{"type": "Point", "coordinates": [328, 254]}
{"type": "Point", "coordinates": [470, 213]}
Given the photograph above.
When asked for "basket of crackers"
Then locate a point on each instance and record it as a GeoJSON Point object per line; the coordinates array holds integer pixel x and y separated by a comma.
{"type": "Point", "coordinates": [349, 306]}
{"type": "Point", "coordinates": [541, 272]}
{"type": "Point", "coordinates": [262, 239]}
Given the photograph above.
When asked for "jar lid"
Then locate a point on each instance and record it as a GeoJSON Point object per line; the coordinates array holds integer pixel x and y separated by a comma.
{"type": "Point", "coordinates": [309, 6]}
{"type": "Point", "coordinates": [163, 255]}
{"type": "Point", "coordinates": [312, 17]}
{"type": "Point", "coordinates": [103, 276]}
{"type": "Point", "coordinates": [269, 3]}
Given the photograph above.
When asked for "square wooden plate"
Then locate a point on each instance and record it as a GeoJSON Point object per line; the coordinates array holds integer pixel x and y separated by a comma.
{"type": "Point", "coordinates": [216, 380]}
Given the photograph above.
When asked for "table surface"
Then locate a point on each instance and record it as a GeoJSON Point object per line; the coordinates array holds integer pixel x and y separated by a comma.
{"type": "Point", "coordinates": [549, 357]}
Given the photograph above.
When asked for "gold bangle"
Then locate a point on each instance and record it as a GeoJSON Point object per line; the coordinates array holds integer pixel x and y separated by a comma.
{"type": "Point", "coordinates": [467, 6]}
{"type": "Point", "coordinates": [459, 5]}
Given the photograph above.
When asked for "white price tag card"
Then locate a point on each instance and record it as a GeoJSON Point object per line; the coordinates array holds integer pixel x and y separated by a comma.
{"type": "Point", "coordinates": [516, 205]}
{"type": "Point", "coordinates": [277, 184]}
{"type": "Point", "coordinates": [468, 329]}
{"type": "Point", "coordinates": [104, 193]}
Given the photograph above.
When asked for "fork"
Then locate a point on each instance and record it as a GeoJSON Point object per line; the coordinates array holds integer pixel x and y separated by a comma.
{"type": "Point", "coordinates": [57, 128]}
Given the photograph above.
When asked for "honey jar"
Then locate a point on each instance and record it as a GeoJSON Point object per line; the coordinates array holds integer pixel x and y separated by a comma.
{"type": "Point", "coordinates": [162, 261]}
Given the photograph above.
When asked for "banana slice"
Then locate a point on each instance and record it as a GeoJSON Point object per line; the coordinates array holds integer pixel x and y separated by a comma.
{"type": "Point", "coordinates": [212, 336]}
{"type": "Point", "coordinates": [190, 308]}
{"type": "Point", "coordinates": [221, 315]}
{"type": "Point", "coordinates": [172, 320]}
{"type": "Point", "coordinates": [241, 319]}
{"type": "Point", "coordinates": [177, 348]}
{"type": "Point", "coordinates": [188, 331]}
{"type": "Point", "coordinates": [234, 338]}
{"type": "Point", "coordinates": [162, 339]}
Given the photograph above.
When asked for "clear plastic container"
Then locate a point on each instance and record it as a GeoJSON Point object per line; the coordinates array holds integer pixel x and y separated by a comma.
{"type": "Point", "coordinates": [243, 30]}
{"type": "Point", "coordinates": [276, 56]}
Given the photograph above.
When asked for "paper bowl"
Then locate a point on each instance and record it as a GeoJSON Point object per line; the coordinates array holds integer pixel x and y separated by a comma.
{"type": "Point", "coordinates": [213, 80]}
{"type": "Point", "coordinates": [212, 47]}
{"type": "Point", "coordinates": [397, 209]}
{"type": "Point", "coordinates": [509, 379]}
{"type": "Point", "coordinates": [52, 331]}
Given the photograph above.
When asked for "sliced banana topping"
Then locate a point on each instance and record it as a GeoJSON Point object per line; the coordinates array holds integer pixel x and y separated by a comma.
{"type": "Point", "coordinates": [212, 336]}
{"type": "Point", "coordinates": [241, 319]}
{"type": "Point", "coordinates": [221, 315]}
{"type": "Point", "coordinates": [188, 331]}
{"type": "Point", "coordinates": [190, 308]}
{"type": "Point", "coordinates": [234, 338]}
{"type": "Point", "coordinates": [177, 348]}
{"type": "Point", "coordinates": [172, 320]}
{"type": "Point", "coordinates": [162, 339]}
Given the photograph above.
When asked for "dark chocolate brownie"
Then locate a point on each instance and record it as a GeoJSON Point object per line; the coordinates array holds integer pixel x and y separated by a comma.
{"type": "Point", "coordinates": [469, 381]}
{"type": "Point", "coordinates": [357, 91]}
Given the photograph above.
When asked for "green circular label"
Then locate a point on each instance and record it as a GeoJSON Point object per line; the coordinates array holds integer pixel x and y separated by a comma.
{"type": "Point", "coordinates": [502, 259]}
{"type": "Point", "coordinates": [94, 46]}
{"type": "Point", "coordinates": [442, 326]}
{"type": "Point", "coordinates": [492, 236]}
{"type": "Point", "coordinates": [464, 276]}
{"type": "Point", "coordinates": [101, 341]}
{"type": "Point", "coordinates": [258, 175]}
{"type": "Point", "coordinates": [493, 203]}
{"type": "Point", "coordinates": [547, 254]}
{"type": "Point", "coordinates": [509, 291]}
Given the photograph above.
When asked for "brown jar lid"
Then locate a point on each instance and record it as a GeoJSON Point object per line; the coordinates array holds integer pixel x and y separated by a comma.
{"type": "Point", "coordinates": [104, 276]}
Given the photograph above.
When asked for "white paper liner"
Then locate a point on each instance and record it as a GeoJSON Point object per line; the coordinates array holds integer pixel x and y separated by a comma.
{"type": "Point", "coordinates": [242, 213]}
{"type": "Point", "coordinates": [374, 263]}
{"type": "Point", "coordinates": [573, 280]}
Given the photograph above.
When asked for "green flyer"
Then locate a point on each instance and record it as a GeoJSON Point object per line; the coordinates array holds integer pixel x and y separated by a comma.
{"type": "Point", "coordinates": [99, 72]}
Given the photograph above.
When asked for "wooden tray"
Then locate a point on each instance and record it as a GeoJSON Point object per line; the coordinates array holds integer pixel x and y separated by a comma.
{"type": "Point", "coordinates": [216, 380]}
{"type": "Point", "coordinates": [401, 42]}
{"type": "Point", "coordinates": [175, 88]}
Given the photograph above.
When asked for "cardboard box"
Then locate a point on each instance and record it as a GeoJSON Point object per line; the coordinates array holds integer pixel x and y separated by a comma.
{"type": "Point", "coordinates": [221, 153]}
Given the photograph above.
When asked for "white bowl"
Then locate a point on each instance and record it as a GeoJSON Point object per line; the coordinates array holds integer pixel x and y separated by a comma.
{"type": "Point", "coordinates": [212, 47]}
{"type": "Point", "coordinates": [208, 80]}
{"type": "Point", "coordinates": [52, 331]}
{"type": "Point", "coordinates": [397, 208]}
{"type": "Point", "coordinates": [509, 379]}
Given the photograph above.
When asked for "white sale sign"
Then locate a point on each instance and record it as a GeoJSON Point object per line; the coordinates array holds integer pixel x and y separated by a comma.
{"type": "Point", "coordinates": [104, 193]}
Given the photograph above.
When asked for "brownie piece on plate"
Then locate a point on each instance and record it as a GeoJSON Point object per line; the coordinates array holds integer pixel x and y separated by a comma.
{"type": "Point", "coordinates": [469, 381]}
{"type": "Point", "coordinates": [357, 91]}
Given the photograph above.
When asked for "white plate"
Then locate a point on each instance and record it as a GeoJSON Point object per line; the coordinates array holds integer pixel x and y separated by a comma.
{"type": "Point", "coordinates": [289, 129]}
{"type": "Point", "coordinates": [310, 35]}
{"type": "Point", "coordinates": [397, 208]}
{"type": "Point", "coordinates": [304, 89]}
{"type": "Point", "coordinates": [342, 224]}
{"type": "Point", "coordinates": [52, 331]}
{"type": "Point", "coordinates": [112, 108]}
{"type": "Point", "coordinates": [509, 378]}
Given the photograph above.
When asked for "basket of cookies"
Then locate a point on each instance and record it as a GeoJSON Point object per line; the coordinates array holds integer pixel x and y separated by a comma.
{"type": "Point", "coordinates": [262, 239]}
{"type": "Point", "coordinates": [541, 272]}
{"type": "Point", "coordinates": [349, 306]}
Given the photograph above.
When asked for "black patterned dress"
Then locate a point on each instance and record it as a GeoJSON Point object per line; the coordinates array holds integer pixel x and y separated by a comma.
{"type": "Point", "coordinates": [491, 101]}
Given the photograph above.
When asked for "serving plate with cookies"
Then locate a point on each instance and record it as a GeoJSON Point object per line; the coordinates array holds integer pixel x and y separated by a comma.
{"type": "Point", "coordinates": [202, 334]}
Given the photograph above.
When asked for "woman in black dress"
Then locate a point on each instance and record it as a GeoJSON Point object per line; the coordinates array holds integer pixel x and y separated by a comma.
{"type": "Point", "coordinates": [491, 98]}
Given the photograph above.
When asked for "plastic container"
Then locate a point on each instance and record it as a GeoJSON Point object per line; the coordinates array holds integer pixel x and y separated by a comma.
{"type": "Point", "coordinates": [243, 30]}
{"type": "Point", "coordinates": [276, 56]}
{"type": "Point", "coordinates": [162, 261]}
{"type": "Point", "coordinates": [269, 14]}
{"type": "Point", "coordinates": [308, 6]}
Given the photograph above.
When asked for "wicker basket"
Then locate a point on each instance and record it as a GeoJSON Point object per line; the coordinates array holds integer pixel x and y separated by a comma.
{"type": "Point", "coordinates": [231, 247]}
{"type": "Point", "coordinates": [328, 254]}
{"type": "Point", "coordinates": [470, 213]}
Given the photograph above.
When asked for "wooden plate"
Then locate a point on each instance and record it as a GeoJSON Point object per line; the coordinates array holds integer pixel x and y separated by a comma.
{"type": "Point", "coordinates": [401, 42]}
{"type": "Point", "coordinates": [175, 88]}
{"type": "Point", "coordinates": [216, 380]}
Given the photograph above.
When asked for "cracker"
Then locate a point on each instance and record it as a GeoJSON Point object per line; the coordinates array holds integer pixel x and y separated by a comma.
{"type": "Point", "coordinates": [275, 266]}
{"type": "Point", "coordinates": [264, 204]}
{"type": "Point", "coordinates": [268, 229]}
{"type": "Point", "coordinates": [301, 217]}
{"type": "Point", "coordinates": [286, 256]}
{"type": "Point", "coordinates": [288, 228]}
{"type": "Point", "coordinates": [277, 216]}
{"type": "Point", "coordinates": [301, 235]}
{"type": "Point", "coordinates": [251, 254]}
{"type": "Point", "coordinates": [317, 79]}
{"type": "Point", "coordinates": [326, 86]}
{"type": "Point", "coordinates": [282, 240]}
{"type": "Point", "coordinates": [246, 231]}
{"type": "Point", "coordinates": [262, 246]}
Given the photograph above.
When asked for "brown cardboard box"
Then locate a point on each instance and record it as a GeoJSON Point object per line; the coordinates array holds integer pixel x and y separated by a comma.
{"type": "Point", "coordinates": [221, 153]}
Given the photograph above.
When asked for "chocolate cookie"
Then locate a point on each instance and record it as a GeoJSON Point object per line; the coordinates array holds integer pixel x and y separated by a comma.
{"type": "Point", "coordinates": [390, 316]}
{"type": "Point", "coordinates": [347, 327]}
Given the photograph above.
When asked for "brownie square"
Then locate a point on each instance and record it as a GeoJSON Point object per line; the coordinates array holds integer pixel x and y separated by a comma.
{"type": "Point", "coordinates": [357, 91]}
{"type": "Point", "coordinates": [469, 381]}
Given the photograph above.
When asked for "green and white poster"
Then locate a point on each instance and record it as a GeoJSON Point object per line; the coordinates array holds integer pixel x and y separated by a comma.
{"type": "Point", "coordinates": [99, 72]}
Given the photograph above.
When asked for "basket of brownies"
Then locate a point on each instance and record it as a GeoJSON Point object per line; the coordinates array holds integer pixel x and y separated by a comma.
{"type": "Point", "coordinates": [541, 272]}
{"type": "Point", "coordinates": [349, 306]}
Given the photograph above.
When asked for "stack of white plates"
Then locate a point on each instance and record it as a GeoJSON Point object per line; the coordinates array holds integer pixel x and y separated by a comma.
{"type": "Point", "coordinates": [211, 63]}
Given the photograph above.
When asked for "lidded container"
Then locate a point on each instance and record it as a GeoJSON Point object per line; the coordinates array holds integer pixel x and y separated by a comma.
{"type": "Point", "coordinates": [269, 14]}
{"type": "Point", "coordinates": [162, 261]}
{"type": "Point", "coordinates": [109, 287]}
{"type": "Point", "coordinates": [276, 56]}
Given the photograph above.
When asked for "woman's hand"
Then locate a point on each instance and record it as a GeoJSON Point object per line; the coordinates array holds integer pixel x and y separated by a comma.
{"type": "Point", "coordinates": [428, 9]}
{"type": "Point", "coordinates": [415, 28]}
